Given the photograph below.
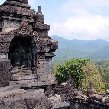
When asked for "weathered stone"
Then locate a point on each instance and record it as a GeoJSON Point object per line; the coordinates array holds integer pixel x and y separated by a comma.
{"type": "Point", "coordinates": [26, 52]}
{"type": "Point", "coordinates": [25, 42]}
{"type": "Point", "coordinates": [4, 72]}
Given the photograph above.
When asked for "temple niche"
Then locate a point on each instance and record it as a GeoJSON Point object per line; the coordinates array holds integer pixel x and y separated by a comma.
{"type": "Point", "coordinates": [21, 52]}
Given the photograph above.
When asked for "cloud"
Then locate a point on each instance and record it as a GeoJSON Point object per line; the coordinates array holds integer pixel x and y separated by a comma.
{"type": "Point", "coordinates": [86, 6]}
{"type": "Point", "coordinates": [83, 27]}
{"type": "Point", "coordinates": [85, 20]}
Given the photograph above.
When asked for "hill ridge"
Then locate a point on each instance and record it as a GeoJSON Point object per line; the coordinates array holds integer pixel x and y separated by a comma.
{"type": "Point", "coordinates": [94, 49]}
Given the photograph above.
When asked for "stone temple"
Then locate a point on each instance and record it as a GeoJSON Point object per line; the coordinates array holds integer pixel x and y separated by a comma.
{"type": "Point", "coordinates": [26, 53]}
{"type": "Point", "coordinates": [26, 50]}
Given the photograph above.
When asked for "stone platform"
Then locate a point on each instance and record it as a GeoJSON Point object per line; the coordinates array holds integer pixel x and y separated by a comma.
{"type": "Point", "coordinates": [23, 99]}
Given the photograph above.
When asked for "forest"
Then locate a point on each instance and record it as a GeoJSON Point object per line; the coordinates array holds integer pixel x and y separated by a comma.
{"type": "Point", "coordinates": [84, 71]}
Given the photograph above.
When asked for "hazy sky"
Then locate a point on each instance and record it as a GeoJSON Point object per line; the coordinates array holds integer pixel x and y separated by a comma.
{"type": "Point", "coordinates": [76, 19]}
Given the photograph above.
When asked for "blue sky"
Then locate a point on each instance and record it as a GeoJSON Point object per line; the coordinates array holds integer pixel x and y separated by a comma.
{"type": "Point", "coordinates": [76, 19]}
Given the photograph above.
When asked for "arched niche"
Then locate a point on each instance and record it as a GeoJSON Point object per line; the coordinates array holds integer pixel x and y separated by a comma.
{"type": "Point", "coordinates": [22, 52]}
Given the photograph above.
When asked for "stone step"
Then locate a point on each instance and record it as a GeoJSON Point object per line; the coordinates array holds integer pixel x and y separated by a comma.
{"type": "Point", "coordinates": [18, 77]}
{"type": "Point", "coordinates": [21, 71]}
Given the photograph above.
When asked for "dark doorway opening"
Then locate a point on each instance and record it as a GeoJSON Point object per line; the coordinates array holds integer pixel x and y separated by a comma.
{"type": "Point", "coordinates": [22, 52]}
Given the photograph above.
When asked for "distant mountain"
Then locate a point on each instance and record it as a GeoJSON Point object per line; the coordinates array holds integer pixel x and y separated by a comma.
{"type": "Point", "coordinates": [95, 49]}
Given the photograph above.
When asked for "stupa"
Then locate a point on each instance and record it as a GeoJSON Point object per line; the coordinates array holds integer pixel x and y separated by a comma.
{"type": "Point", "coordinates": [26, 53]}
{"type": "Point", "coordinates": [26, 50]}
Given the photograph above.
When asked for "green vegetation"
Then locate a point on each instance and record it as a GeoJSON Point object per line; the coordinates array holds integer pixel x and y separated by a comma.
{"type": "Point", "coordinates": [93, 75]}
{"type": "Point", "coordinates": [104, 70]}
{"type": "Point", "coordinates": [96, 71]}
{"type": "Point", "coordinates": [72, 67]}
{"type": "Point", "coordinates": [84, 71]}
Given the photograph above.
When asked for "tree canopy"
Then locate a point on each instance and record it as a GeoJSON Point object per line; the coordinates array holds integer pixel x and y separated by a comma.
{"type": "Point", "coordinates": [83, 72]}
{"type": "Point", "coordinates": [73, 68]}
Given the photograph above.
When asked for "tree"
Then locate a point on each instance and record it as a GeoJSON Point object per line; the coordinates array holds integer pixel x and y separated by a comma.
{"type": "Point", "coordinates": [73, 68]}
{"type": "Point", "coordinates": [103, 66]}
{"type": "Point", "coordinates": [93, 75]}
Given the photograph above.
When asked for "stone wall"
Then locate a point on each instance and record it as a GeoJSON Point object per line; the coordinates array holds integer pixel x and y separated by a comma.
{"type": "Point", "coordinates": [48, 66]}
{"type": "Point", "coordinates": [4, 72]}
{"type": "Point", "coordinates": [78, 100]}
{"type": "Point", "coordinates": [77, 104]}
{"type": "Point", "coordinates": [63, 108]}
